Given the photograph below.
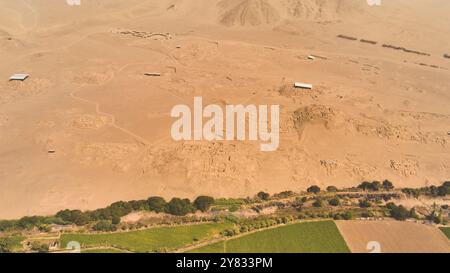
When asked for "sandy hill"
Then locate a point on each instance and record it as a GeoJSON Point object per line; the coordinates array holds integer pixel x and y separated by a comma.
{"type": "Point", "coordinates": [251, 12]}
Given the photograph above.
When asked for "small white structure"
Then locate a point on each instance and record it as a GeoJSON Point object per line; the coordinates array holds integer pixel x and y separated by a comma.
{"type": "Point", "coordinates": [303, 85]}
{"type": "Point", "coordinates": [153, 74]}
{"type": "Point", "coordinates": [311, 57]}
{"type": "Point", "coordinates": [19, 77]}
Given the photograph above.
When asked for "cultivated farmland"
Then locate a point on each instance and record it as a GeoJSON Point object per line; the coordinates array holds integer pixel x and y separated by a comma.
{"type": "Point", "coordinates": [446, 231]}
{"type": "Point", "coordinates": [310, 237]}
{"type": "Point", "coordinates": [149, 240]}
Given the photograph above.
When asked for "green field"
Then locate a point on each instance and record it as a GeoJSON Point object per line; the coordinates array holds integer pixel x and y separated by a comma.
{"type": "Point", "coordinates": [446, 231]}
{"type": "Point", "coordinates": [149, 240]}
{"type": "Point", "coordinates": [309, 237]}
{"type": "Point", "coordinates": [15, 242]}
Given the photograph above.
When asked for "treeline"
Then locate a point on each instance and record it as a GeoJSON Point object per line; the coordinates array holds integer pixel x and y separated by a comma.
{"type": "Point", "coordinates": [106, 219]}
{"type": "Point", "coordinates": [386, 185]}
{"type": "Point", "coordinates": [433, 191]}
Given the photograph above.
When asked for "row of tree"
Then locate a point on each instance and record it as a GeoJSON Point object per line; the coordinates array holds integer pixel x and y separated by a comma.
{"type": "Point", "coordinates": [106, 218]}
{"type": "Point", "coordinates": [434, 191]}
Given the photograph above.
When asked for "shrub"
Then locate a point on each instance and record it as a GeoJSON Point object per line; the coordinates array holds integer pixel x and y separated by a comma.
{"type": "Point", "coordinates": [388, 185]}
{"type": "Point", "coordinates": [317, 203]}
{"type": "Point", "coordinates": [332, 189]}
{"type": "Point", "coordinates": [104, 225]}
{"type": "Point", "coordinates": [313, 189]}
{"type": "Point", "coordinates": [284, 194]}
{"type": "Point", "coordinates": [334, 202]}
{"type": "Point", "coordinates": [399, 213]}
{"type": "Point", "coordinates": [366, 214]}
{"type": "Point", "coordinates": [348, 215]}
{"type": "Point", "coordinates": [76, 217]}
{"type": "Point", "coordinates": [5, 245]}
{"type": "Point", "coordinates": [364, 204]}
{"type": "Point", "coordinates": [370, 186]}
{"type": "Point", "coordinates": [263, 195]}
{"type": "Point", "coordinates": [115, 220]}
{"type": "Point", "coordinates": [41, 248]}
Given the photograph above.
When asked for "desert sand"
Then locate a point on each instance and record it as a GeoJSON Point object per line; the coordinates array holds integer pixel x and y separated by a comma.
{"type": "Point", "coordinates": [392, 237]}
{"type": "Point", "coordinates": [88, 128]}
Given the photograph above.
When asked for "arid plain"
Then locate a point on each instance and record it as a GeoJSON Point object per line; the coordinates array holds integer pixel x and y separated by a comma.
{"type": "Point", "coordinates": [88, 128]}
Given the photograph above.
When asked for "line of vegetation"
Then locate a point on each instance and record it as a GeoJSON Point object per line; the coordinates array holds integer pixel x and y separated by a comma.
{"type": "Point", "coordinates": [106, 219]}
{"type": "Point", "coordinates": [432, 191]}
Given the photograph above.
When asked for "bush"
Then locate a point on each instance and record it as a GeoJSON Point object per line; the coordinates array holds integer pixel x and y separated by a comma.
{"type": "Point", "coordinates": [284, 194]}
{"type": "Point", "coordinates": [104, 225]}
{"type": "Point", "coordinates": [313, 189]}
{"type": "Point", "coordinates": [203, 203]}
{"type": "Point", "coordinates": [413, 214]}
{"type": "Point", "coordinates": [76, 217]}
{"type": "Point", "coordinates": [348, 215]}
{"type": "Point", "coordinates": [334, 202]}
{"type": "Point", "coordinates": [364, 204]}
{"type": "Point", "coordinates": [318, 203]}
{"type": "Point", "coordinates": [115, 220]}
{"type": "Point", "coordinates": [263, 195]}
{"type": "Point", "coordinates": [388, 185]}
{"type": "Point", "coordinates": [332, 189]}
{"type": "Point", "coordinates": [370, 186]}
{"type": "Point", "coordinates": [367, 214]}
{"type": "Point", "coordinates": [399, 213]}
{"type": "Point", "coordinates": [5, 245]}
{"type": "Point", "coordinates": [41, 248]}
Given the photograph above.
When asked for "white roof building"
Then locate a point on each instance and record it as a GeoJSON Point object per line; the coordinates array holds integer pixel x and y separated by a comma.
{"type": "Point", "coordinates": [19, 77]}
{"type": "Point", "coordinates": [303, 85]}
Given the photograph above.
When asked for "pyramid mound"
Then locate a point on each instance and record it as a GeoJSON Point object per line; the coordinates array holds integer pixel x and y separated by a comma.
{"type": "Point", "coordinates": [250, 12]}
{"type": "Point", "coordinates": [322, 9]}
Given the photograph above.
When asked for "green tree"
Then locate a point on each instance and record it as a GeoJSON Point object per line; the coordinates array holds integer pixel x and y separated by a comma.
{"type": "Point", "coordinates": [39, 247]}
{"type": "Point", "coordinates": [5, 245]}
{"type": "Point", "coordinates": [332, 189]}
{"type": "Point", "coordinates": [157, 204]}
{"type": "Point", "coordinates": [388, 185]}
{"type": "Point", "coordinates": [263, 195]}
{"type": "Point", "coordinates": [115, 220]}
{"type": "Point", "coordinates": [313, 189]}
{"type": "Point", "coordinates": [364, 203]}
{"type": "Point", "coordinates": [399, 213]}
{"type": "Point", "coordinates": [348, 215]}
{"type": "Point", "coordinates": [104, 225]}
{"type": "Point", "coordinates": [203, 203]}
{"type": "Point", "coordinates": [334, 202]}
{"type": "Point", "coordinates": [180, 207]}
{"type": "Point", "coordinates": [318, 203]}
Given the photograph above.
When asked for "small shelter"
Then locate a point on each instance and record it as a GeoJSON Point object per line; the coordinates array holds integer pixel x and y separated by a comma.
{"type": "Point", "coordinates": [303, 85]}
{"type": "Point", "coordinates": [19, 77]}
